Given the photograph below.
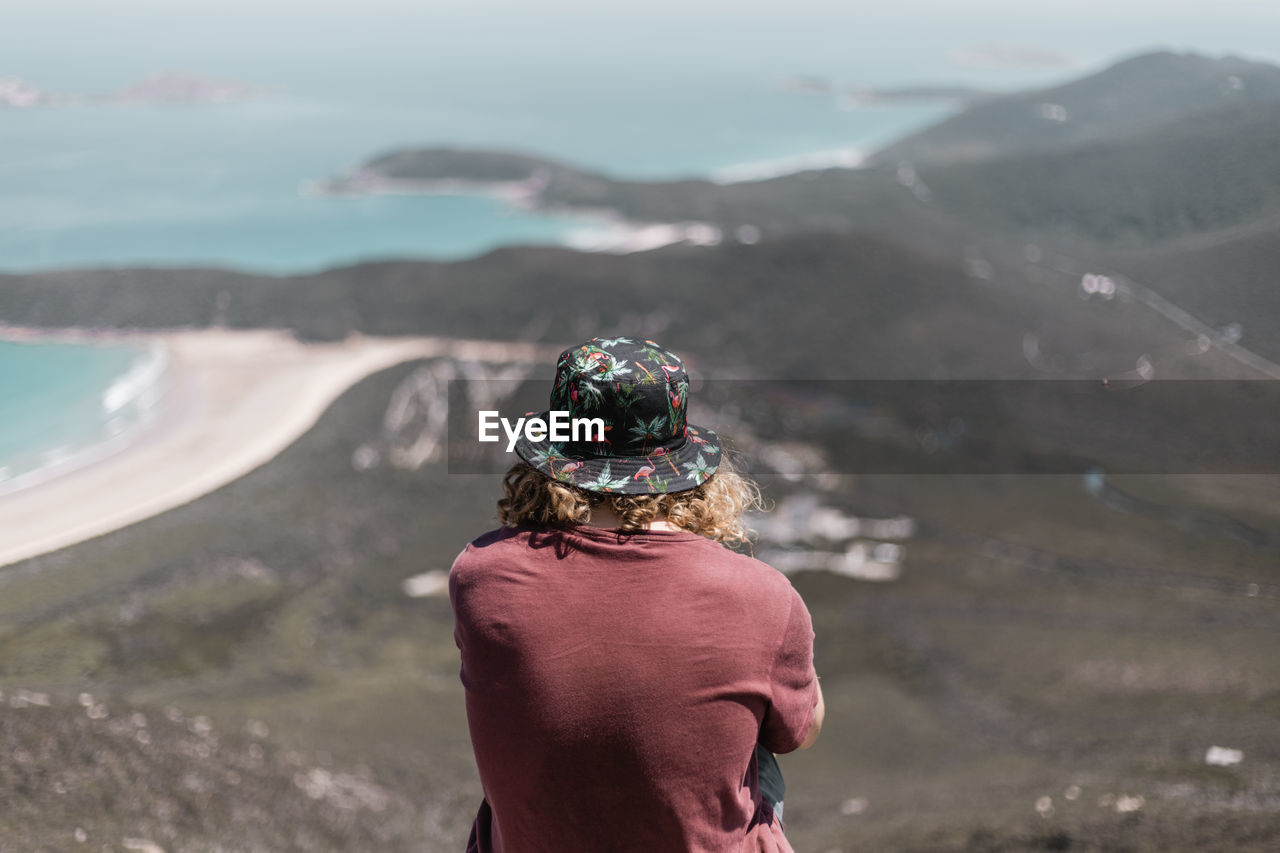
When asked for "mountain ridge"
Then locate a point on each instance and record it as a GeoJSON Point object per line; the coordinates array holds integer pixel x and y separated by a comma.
{"type": "Point", "coordinates": [1138, 92]}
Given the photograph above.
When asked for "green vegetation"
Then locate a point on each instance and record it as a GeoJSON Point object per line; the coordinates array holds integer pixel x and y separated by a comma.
{"type": "Point", "coordinates": [1130, 96]}
{"type": "Point", "coordinates": [1037, 640]}
{"type": "Point", "coordinates": [1195, 174]}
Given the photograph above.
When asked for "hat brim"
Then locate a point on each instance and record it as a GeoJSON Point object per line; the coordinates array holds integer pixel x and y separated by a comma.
{"type": "Point", "coordinates": [678, 470]}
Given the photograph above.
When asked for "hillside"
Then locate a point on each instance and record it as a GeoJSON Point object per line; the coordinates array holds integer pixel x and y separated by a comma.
{"type": "Point", "coordinates": [1127, 97]}
{"type": "Point", "coordinates": [1227, 281]}
{"type": "Point", "coordinates": [1015, 659]}
{"type": "Point", "coordinates": [879, 308]}
{"type": "Point", "coordinates": [1192, 175]}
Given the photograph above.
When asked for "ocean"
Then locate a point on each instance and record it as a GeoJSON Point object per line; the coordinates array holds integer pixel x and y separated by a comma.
{"type": "Point", "coordinates": [66, 404]}
{"type": "Point", "coordinates": [667, 92]}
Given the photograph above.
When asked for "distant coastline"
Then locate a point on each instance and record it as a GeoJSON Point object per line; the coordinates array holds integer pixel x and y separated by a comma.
{"type": "Point", "coordinates": [235, 400]}
{"type": "Point", "coordinates": [540, 185]}
{"type": "Point", "coordinates": [854, 96]}
{"type": "Point", "coordinates": [610, 230]}
{"type": "Point", "coordinates": [369, 182]}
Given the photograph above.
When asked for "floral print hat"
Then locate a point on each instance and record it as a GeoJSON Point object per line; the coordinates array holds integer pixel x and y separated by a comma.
{"type": "Point", "coordinates": [641, 392]}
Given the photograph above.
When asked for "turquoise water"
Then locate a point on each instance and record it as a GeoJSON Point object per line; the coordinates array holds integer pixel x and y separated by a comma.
{"type": "Point", "coordinates": [221, 185]}
{"type": "Point", "coordinates": [667, 90]}
{"type": "Point", "coordinates": [61, 399]}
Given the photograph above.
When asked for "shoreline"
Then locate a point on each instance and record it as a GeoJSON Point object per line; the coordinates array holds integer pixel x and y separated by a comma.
{"type": "Point", "coordinates": [602, 229]}
{"type": "Point", "coordinates": [754, 171]}
{"type": "Point", "coordinates": [606, 229]}
{"type": "Point", "coordinates": [141, 388]}
{"type": "Point", "coordinates": [373, 184]}
{"type": "Point", "coordinates": [235, 400]}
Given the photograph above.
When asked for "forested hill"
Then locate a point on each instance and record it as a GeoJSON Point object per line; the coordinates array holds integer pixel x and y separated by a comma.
{"type": "Point", "coordinates": [1192, 175]}
{"type": "Point", "coordinates": [870, 306]}
{"type": "Point", "coordinates": [907, 309]}
{"type": "Point", "coordinates": [1129, 96]}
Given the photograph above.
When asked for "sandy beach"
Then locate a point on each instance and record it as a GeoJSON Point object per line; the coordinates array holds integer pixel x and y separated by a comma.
{"type": "Point", "coordinates": [235, 399]}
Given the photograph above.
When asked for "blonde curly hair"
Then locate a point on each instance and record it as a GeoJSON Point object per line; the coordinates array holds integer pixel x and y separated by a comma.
{"type": "Point", "coordinates": [715, 509]}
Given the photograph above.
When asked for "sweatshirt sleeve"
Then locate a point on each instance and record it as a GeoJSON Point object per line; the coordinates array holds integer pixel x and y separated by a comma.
{"type": "Point", "coordinates": [794, 683]}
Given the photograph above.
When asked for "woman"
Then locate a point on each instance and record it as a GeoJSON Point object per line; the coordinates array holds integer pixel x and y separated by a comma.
{"type": "Point", "coordinates": [620, 664]}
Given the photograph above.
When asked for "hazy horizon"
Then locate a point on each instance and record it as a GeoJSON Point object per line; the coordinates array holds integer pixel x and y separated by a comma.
{"type": "Point", "coordinates": [92, 48]}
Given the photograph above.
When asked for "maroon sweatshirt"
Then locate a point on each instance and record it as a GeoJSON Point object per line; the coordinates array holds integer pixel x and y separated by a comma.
{"type": "Point", "coordinates": [616, 687]}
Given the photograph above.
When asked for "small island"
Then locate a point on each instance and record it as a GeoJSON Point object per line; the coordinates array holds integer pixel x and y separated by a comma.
{"type": "Point", "coordinates": [16, 92]}
{"type": "Point", "coordinates": [964, 95]}
{"type": "Point", "coordinates": [167, 87]}
{"type": "Point", "coordinates": [854, 96]}
{"type": "Point", "coordinates": [175, 87]}
{"type": "Point", "coordinates": [446, 170]}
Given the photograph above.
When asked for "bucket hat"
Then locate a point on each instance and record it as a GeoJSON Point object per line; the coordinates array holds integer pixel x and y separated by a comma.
{"type": "Point", "coordinates": [641, 392]}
